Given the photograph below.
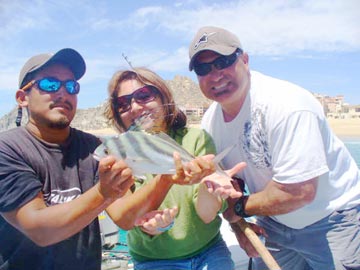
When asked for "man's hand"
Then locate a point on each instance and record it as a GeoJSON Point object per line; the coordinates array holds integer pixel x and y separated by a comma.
{"type": "Point", "coordinates": [115, 177]}
{"type": "Point", "coordinates": [243, 241]}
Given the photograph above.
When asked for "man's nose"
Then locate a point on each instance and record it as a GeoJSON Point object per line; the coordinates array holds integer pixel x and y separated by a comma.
{"type": "Point", "coordinates": [62, 91]}
{"type": "Point", "coordinates": [215, 72]}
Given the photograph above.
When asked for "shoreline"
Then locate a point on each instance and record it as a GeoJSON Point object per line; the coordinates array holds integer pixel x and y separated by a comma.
{"type": "Point", "coordinates": [345, 129]}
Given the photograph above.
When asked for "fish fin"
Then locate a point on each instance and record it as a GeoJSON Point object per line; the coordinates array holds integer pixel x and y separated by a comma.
{"type": "Point", "coordinates": [96, 157]}
{"type": "Point", "coordinates": [101, 139]}
{"type": "Point", "coordinates": [223, 153]}
{"type": "Point", "coordinates": [166, 141]}
{"type": "Point", "coordinates": [177, 147]}
{"type": "Point", "coordinates": [219, 157]}
{"type": "Point", "coordinates": [220, 170]}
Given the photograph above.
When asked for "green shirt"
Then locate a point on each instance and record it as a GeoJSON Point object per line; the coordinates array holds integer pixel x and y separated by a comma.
{"type": "Point", "coordinates": [189, 235]}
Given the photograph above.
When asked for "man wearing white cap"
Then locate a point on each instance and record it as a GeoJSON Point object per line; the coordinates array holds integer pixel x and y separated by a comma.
{"type": "Point", "coordinates": [304, 185]}
{"type": "Point", "coordinates": [51, 187]}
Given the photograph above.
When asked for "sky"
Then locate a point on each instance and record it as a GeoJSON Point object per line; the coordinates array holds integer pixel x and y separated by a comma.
{"type": "Point", "coordinates": [313, 43]}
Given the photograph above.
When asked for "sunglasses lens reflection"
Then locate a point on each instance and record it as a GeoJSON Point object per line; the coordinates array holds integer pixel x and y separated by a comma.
{"type": "Point", "coordinates": [142, 95]}
{"type": "Point", "coordinates": [202, 69]}
{"type": "Point", "coordinates": [49, 85]}
{"type": "Point", "coordinates": [72, 87]}
{"type": "Point", "coordinates": [53, 85]}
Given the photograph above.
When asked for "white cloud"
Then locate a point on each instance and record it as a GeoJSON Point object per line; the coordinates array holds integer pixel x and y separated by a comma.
{"type": "Point", "coordinates": [172, 62]}
{"type": "Point", "coordinates": [158, 35]}
{"type": "Point", "coordinates": [277, 27]}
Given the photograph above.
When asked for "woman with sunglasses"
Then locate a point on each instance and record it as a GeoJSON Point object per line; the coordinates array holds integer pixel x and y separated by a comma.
{"type": "Point", "coordinates": [183, 229]}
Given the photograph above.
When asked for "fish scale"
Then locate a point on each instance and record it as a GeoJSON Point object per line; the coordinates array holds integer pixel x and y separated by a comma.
{"type": "Point", "coordinates": [148, 153]}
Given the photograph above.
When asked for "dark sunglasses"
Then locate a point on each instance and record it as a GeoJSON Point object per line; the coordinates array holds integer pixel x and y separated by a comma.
{"type": "Point", "coordinates": [224, 61]}
{"type": "Point", "coordinates": [51, 85]}
{"type": "Point", "coordinates": [142, 95]}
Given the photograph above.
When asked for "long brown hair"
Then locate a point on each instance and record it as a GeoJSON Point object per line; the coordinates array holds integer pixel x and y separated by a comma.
{"type": "Point", "coordinates": [174, 117]}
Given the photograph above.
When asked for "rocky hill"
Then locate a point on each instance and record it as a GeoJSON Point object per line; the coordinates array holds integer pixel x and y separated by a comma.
{"type": "Point", "coordinates": [186, 93]}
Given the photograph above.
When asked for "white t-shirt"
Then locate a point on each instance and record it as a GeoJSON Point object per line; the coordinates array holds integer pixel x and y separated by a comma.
{"type": "Point", "coordinates": [282, 134]}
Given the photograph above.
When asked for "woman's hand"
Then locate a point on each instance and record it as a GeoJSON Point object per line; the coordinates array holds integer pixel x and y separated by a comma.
{"type": "Point", "coordinates": [192, 172]}
{"type": "Point", "coordinates": [157, 221]}
{"type": "Point", "coordinates": [221, 184]}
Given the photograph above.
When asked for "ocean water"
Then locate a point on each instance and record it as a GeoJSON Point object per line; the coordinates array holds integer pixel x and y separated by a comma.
{"type": "Point", "coordinates": [353, 145]}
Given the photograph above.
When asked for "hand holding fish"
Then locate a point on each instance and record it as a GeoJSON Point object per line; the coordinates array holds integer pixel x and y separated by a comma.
{"type": "Point", "coordinates": [194, 171]}
{"type": "Point", "coordinates": [157, 221]}
{"type": "Point", "coordinates": [115, 177]}
{"type": "Point", "coordinates": [154, 153]}
{"type": "Point", "coordinates": [213, 190]}
{"type": "Point", "coordinates": [221, 185]}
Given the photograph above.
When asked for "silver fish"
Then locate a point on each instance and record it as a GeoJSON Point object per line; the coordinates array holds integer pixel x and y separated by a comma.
{"type": "Point", "coordinates": [145, 122]}
{"type": "Point", "coordinates": [148, 153]}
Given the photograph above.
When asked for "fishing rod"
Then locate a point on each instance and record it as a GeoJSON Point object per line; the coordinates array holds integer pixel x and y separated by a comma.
{"type": "Point", "coordinates": [254, 239]}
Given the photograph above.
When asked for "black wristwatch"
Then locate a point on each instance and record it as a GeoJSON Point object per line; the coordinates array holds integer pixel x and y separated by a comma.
{"type": "Point", "coordinates": [239, 207]}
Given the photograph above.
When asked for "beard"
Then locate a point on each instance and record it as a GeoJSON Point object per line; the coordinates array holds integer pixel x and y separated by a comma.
{"type": "Point", "coordinates": [59, 123]}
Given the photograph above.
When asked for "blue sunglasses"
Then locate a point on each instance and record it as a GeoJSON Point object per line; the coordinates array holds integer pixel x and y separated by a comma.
{"type": "Point", "coordinates": [51, 85]}
{"type": "Point", "coordinates": [222, 62]}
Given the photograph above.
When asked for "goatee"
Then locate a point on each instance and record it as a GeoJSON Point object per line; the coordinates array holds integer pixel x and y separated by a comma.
{"type": "Point", "coordinates": [60, 124]}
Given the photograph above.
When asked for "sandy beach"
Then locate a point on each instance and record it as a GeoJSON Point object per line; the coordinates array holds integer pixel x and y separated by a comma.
{"type": "Point", "coordinates": [102, 132]}
{"type": "Point", "coordinates": [349, 128]}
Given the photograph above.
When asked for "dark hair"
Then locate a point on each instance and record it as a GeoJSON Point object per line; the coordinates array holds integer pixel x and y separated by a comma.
{"type": "Point", "coordinates": [174, 117]}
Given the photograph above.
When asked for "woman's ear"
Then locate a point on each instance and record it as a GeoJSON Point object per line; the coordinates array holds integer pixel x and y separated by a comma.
{"type": "Point", "coordinates": [21, 98]}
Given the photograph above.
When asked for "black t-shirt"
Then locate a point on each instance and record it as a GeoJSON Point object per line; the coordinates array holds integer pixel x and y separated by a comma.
{"type": "Point", "coordinates": [62, 172]}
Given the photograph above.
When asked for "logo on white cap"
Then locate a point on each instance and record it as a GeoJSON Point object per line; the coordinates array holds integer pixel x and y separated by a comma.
{"type": "Point", "coordinates": [203, 39]}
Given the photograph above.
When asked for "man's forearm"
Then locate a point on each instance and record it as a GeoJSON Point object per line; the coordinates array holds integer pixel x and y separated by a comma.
{"type": "Point", "coordinates": [126, 210]}
{"type": "Point", "coordinates": [277, 199]}
{"type": "Point", "coordinates": [48, 225]}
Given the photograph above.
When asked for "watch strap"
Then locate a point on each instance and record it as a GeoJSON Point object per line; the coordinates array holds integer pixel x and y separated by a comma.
{"type": "Point", "coordinates": [239, 207]}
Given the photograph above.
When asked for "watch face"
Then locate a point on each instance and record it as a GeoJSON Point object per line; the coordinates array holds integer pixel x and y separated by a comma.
{"type": "Point", "coordinates": [238, 208]}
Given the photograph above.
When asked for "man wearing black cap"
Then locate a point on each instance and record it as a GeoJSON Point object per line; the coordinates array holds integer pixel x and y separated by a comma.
{"type": "Point", "coordinates": [304, 185]}
{"type": "Point", "coordinates": [51, 188]}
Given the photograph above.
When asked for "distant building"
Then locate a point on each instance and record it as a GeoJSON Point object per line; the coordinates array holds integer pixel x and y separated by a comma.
{"type": "Point", "coordinates": [335, 107]}
{"type": "Point", "coordinates": [354, 111]}
{"type": "Point", "coordinates": [195, 111]}
{"type": "Point", "coordinates": [194, 114]}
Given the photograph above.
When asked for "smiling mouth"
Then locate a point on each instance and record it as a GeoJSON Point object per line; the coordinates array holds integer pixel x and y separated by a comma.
{"type": "Point", "coordinates": [218, 94]}
{"type": "Point", "coordinates": [220, 89]}
{"type": "Point", "coordinates": [62, 105]}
